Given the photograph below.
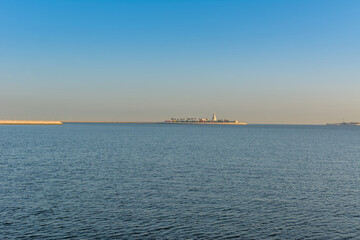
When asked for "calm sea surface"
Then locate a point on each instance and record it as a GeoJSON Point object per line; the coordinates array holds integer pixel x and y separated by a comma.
{"type": "Point", "coordinates": [157, 181]}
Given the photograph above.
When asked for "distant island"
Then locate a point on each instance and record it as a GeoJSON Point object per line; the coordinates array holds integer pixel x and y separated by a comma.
{"type": "Point", "coordinates": [29, 122]}
{"type": "Point", "coordinates": [214, 120]}
{"type": "Point", "coordinates": [345, 123]}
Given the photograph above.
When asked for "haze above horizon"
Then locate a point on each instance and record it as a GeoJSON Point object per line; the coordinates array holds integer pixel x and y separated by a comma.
{"type": "Point", "coordinates": [259, 61]}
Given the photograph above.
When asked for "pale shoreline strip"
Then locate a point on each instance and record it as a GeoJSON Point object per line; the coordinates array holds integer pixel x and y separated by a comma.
{"type": "Point", "coordinates": [29, 122]}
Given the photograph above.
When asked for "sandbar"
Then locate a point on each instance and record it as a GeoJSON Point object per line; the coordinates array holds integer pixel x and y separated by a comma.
{"type": "Point", "coordinates": [29, 122]}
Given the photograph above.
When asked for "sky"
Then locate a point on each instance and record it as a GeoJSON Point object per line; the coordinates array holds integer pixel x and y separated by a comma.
{"type": "Point", "coordinates": [257, 61]}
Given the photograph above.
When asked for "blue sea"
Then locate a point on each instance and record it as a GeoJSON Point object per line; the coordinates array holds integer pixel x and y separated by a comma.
{"type": "Point", "coordinates": [159, 181]}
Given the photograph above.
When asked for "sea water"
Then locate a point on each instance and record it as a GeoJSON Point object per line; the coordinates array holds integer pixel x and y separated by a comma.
{"type": "Point", "coordinates": [159, 181]}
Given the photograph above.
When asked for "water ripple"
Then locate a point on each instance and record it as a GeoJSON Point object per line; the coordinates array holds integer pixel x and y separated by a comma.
{"type": "Point", "coordinates": [149, 181]}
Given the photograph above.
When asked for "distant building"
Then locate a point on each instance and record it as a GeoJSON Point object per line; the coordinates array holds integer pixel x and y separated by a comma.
{"type": "Point", "coordinates": [214, 120]}
{"type": "Point", "coordinates": [214, 117]}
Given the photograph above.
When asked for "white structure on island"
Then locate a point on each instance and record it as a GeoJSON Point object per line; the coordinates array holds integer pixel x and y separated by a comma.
{"type": "Point", "coordinates": [213, 120]}
{"type": "Point", "coordinates": [214, 117]}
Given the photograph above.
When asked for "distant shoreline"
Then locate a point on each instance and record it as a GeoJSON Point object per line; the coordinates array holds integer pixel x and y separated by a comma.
{"type": "Point", "coordinates": [29, 122]}
{"type": "Point", "coordinates": [198, 123]}
{"type": "Point", "coordinates": [207, 123]}
{"type": "Point", "coordinates": [104, 122]}
{"type": "Point", "coordinates": [45, 122]}
{"type": "Point", "coordinates": [345, 124]}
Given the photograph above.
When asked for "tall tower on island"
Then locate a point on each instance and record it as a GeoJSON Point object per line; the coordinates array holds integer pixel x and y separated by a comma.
{"type": "Point", "coordinates": [214, 117]}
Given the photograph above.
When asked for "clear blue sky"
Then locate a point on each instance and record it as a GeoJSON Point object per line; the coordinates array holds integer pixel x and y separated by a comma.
{"type": "Point", "coordinates": [255, 61]}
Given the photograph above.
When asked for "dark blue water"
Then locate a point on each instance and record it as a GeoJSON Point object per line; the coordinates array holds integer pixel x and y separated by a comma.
{"type": "Point", "coordinates": [156, 181]}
